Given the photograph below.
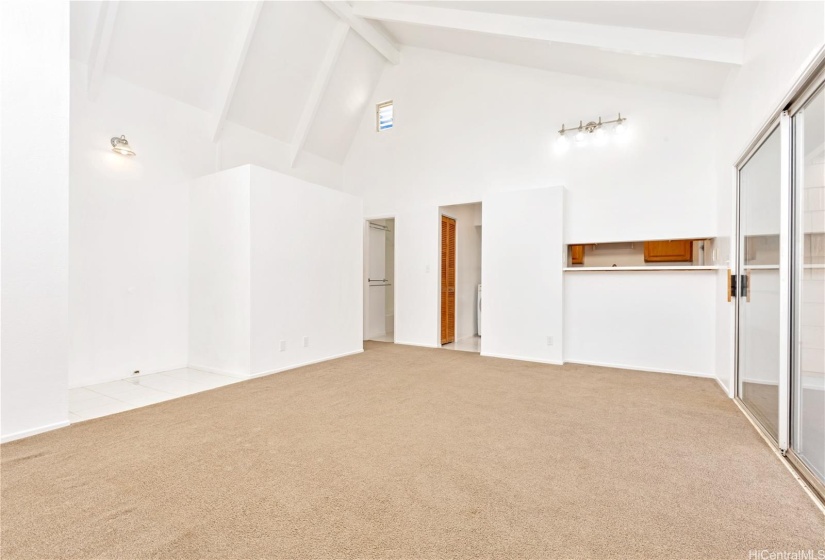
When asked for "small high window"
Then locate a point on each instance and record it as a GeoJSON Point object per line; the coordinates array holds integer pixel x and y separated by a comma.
{"type": "Point", "coordinates": [383, 116]}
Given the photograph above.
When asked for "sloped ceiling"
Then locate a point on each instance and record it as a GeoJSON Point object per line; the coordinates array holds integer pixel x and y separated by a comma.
{"type": "Point", "coordinates": [185, 50]}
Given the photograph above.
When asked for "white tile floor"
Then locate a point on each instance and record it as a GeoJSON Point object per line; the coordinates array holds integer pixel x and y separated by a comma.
{"type": "Point", "coordinates": [103, 399]}
{"type": "Point", "coordinates": [469, 344]}
{"type": "Point", "coordinates": [386, 338]}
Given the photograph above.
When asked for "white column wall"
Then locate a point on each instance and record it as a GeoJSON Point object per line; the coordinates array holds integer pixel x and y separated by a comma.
{"type": "Point", "coordinates": [34, 54]}
{"type": "Point", "coordinates": [522, 256]}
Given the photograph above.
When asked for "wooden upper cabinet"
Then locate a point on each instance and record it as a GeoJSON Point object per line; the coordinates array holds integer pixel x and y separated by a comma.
{"type": "Point", "coordinates": [577, 254]}
{"type": "Point", "coordinates": [680, 250]}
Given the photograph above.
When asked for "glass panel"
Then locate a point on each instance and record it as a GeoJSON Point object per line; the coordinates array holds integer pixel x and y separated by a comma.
{"type": "Point", "coordinates": [759, 200]}
{"type": "Point", "coordinates": [808, 422]}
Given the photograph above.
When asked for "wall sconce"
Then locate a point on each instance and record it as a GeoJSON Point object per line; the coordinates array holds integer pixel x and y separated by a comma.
{"type": "Point", "coordinates": [121, 146]}
{"type": "Point", "coordinates": [593, 129]}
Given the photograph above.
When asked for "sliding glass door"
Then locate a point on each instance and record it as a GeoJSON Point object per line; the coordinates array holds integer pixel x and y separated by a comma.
{"type": "Point", "coordinates": [808, 381]}
{"type": "Point", "coordinates": [758, 283]}
{"type": "Point", "coordinates": [779, 283]}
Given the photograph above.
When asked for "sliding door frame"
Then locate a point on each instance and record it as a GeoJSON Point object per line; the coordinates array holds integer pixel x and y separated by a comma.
{"type": "Point", "coordinates": [805, 87]}
{"type": "Point", "coordinates": [814, 87]}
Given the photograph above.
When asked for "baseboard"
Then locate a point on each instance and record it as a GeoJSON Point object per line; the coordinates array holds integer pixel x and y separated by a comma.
{"type": "Point", "coordinates": [649, 369]}
{"type": "Point", "coordinates": [34, 431]}
{"type": "Point", "coordinates": [109, 380]}
{"type": "Point", "coordinates": [522, 359]}
{"type": "Point", "coordinates": [416, 344]}
{"type": "Point", "coordinates": [722, 386]}
{"type": "Point", "coordinates": [302, 364]}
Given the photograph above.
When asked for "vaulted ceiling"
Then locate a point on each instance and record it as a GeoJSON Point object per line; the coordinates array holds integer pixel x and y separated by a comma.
{"type": "Point", "coordinates": [303, 71]}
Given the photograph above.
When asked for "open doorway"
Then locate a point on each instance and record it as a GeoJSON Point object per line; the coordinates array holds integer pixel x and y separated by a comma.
{"type": "Point", "coordinates": [379, 272]}
{"type": "Point", "coordinates": [460, 277]}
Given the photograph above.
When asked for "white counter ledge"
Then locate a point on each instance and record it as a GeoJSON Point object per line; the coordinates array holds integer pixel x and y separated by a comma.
{"type": "Point", "coordinates": [637, 268]}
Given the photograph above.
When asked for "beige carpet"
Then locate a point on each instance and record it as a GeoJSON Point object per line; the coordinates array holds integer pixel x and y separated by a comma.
{"type": "Point", "coordinates": [406, 452]}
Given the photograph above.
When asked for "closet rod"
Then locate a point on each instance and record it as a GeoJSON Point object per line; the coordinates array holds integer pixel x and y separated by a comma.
{"type": "Point", "coordinates": [379, 226]}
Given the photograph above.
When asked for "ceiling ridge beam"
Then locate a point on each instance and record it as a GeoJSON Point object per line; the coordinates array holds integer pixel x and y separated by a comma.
{"type": "Point", "coordinates": [365, 29]}
{"type": "Point", "coordinates": [336, 44]}
{"type": "Point", "coordinates": [650, 42]}
{"type": "Point", "coordinates": [101, 41]}
{"type": "Point", "coordinates": [227, 89]}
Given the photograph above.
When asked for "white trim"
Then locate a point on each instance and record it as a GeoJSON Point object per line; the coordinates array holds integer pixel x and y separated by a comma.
{"type": "Point", "coordinates": [34, 431]}
{"type": "Point", "coordinates": [302, 364]}
{"type": "Point", "coordinates": [227, 88]}
{"type": "Point", "coordinates": [521, 359]}
{"type": "Point", "coordinates": [725, 50]}
{"type": "Point", "coordinates": [365, 29]}
{"type": "Point", "coordinates": [785, 328]}
{"type": "Point", "coordinates": [102, 40]}
{"type": "Point", "coordinates": [646, 369]}
{"type": "Point", "coordinates": [316, 95]}
{"type": "Point", "coordinates": [724, 389]}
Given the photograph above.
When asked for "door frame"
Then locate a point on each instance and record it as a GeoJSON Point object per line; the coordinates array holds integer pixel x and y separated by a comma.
{"type": "Point", "coordinates": [366, 272]}
{"type": "Point", "coordinates": [781, 124]}
{"type": "Point", "coordinates": [441, 213]}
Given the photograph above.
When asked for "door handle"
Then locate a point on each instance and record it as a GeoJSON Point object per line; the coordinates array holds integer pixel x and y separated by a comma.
{"type": "Point", "coordinates": [746, 286]}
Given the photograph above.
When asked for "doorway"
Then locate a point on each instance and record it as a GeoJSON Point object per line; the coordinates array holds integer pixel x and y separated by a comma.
{"type": "Point", "coordinates": [460, 277]}
{"type": "Point", "coordinates": [379, 280]}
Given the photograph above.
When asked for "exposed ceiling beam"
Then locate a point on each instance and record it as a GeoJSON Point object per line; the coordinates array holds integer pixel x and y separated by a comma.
{"type": "Point", "coordinates": [226, 89]}
{"type": "Point", "coordinates": [339, 35]}
{"type": "Point", "coordinates": [365, 29]}
{"type": "Point", "coordinates": [622, 39]}
{"type": "Point", "coordinates": [101, 41]}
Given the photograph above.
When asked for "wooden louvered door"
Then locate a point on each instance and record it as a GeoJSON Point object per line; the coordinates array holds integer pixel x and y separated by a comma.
{"type": "Point", "coordinates": [447, 280]}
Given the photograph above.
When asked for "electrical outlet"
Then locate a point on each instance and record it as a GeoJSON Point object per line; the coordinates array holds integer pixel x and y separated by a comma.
{"type": "Point", "coordinates": [306, 341]}
{"type": "Point", "coordinates": [283, 346]}
{"type": "Point", "coordinates": [549, 341]}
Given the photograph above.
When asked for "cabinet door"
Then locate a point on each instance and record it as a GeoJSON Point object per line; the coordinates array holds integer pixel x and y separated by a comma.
{"type": "Point", "coordinates": [680, 250]}
{"type": "Point", "coordinates": [577, 254]}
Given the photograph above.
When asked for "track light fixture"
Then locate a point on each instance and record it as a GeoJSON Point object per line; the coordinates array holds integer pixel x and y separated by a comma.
{"type": "Point", "coordinates": [592, 129]}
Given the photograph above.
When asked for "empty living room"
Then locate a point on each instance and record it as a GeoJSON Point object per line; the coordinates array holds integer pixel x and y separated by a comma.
{"type": "Point", "coordinates": [422, 280]}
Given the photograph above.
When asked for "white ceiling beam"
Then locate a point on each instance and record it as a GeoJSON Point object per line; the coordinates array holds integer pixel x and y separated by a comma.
{"type": "Point", "coordinates": [226, 89]}
{"type": "Point", "coordinates": [102, 39]}
{"type": "Point", "coordinates": [336, 44]}
{"type": "Point", "coordinates": [365, 29]}
{"type": "Point", "coordinates": [621, 39]}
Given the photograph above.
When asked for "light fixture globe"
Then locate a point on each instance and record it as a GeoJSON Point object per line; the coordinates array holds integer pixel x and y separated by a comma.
{"type": "Point", "coordinates": [621, 127]}
{"type": "Point", "coordinates": [562, 144]}
{"type": "Point", "coordinates": [121, 146]}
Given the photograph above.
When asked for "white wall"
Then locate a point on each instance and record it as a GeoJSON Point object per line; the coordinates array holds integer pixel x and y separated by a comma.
{"type": "Point", "coordinates": [522, 255]}
{"type": "Point", "coordinates": [34, 143]}
{"type": "Point", "coordinates": [464, 126]}
{"type": "Point", "coordinates": [306, 272]}
{"type": "Point", "coordinates": [273, 259]}
{"type": "Point", "coordinates": [782, 39]}
{"type": "Point", "coordinates": [657, 321]}
{"type": "Point", "coordinates": [417, 238]}
{"type": "Point", "coordinates": [468, 267]}
{"type": "Point", "coordinates": [128, 235]}
{"type": "Point", "coordinates": [219, 296]}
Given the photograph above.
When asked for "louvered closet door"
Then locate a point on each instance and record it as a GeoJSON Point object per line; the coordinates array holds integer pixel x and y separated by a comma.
{"type": "Point", "coordinates": [447, 280]}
